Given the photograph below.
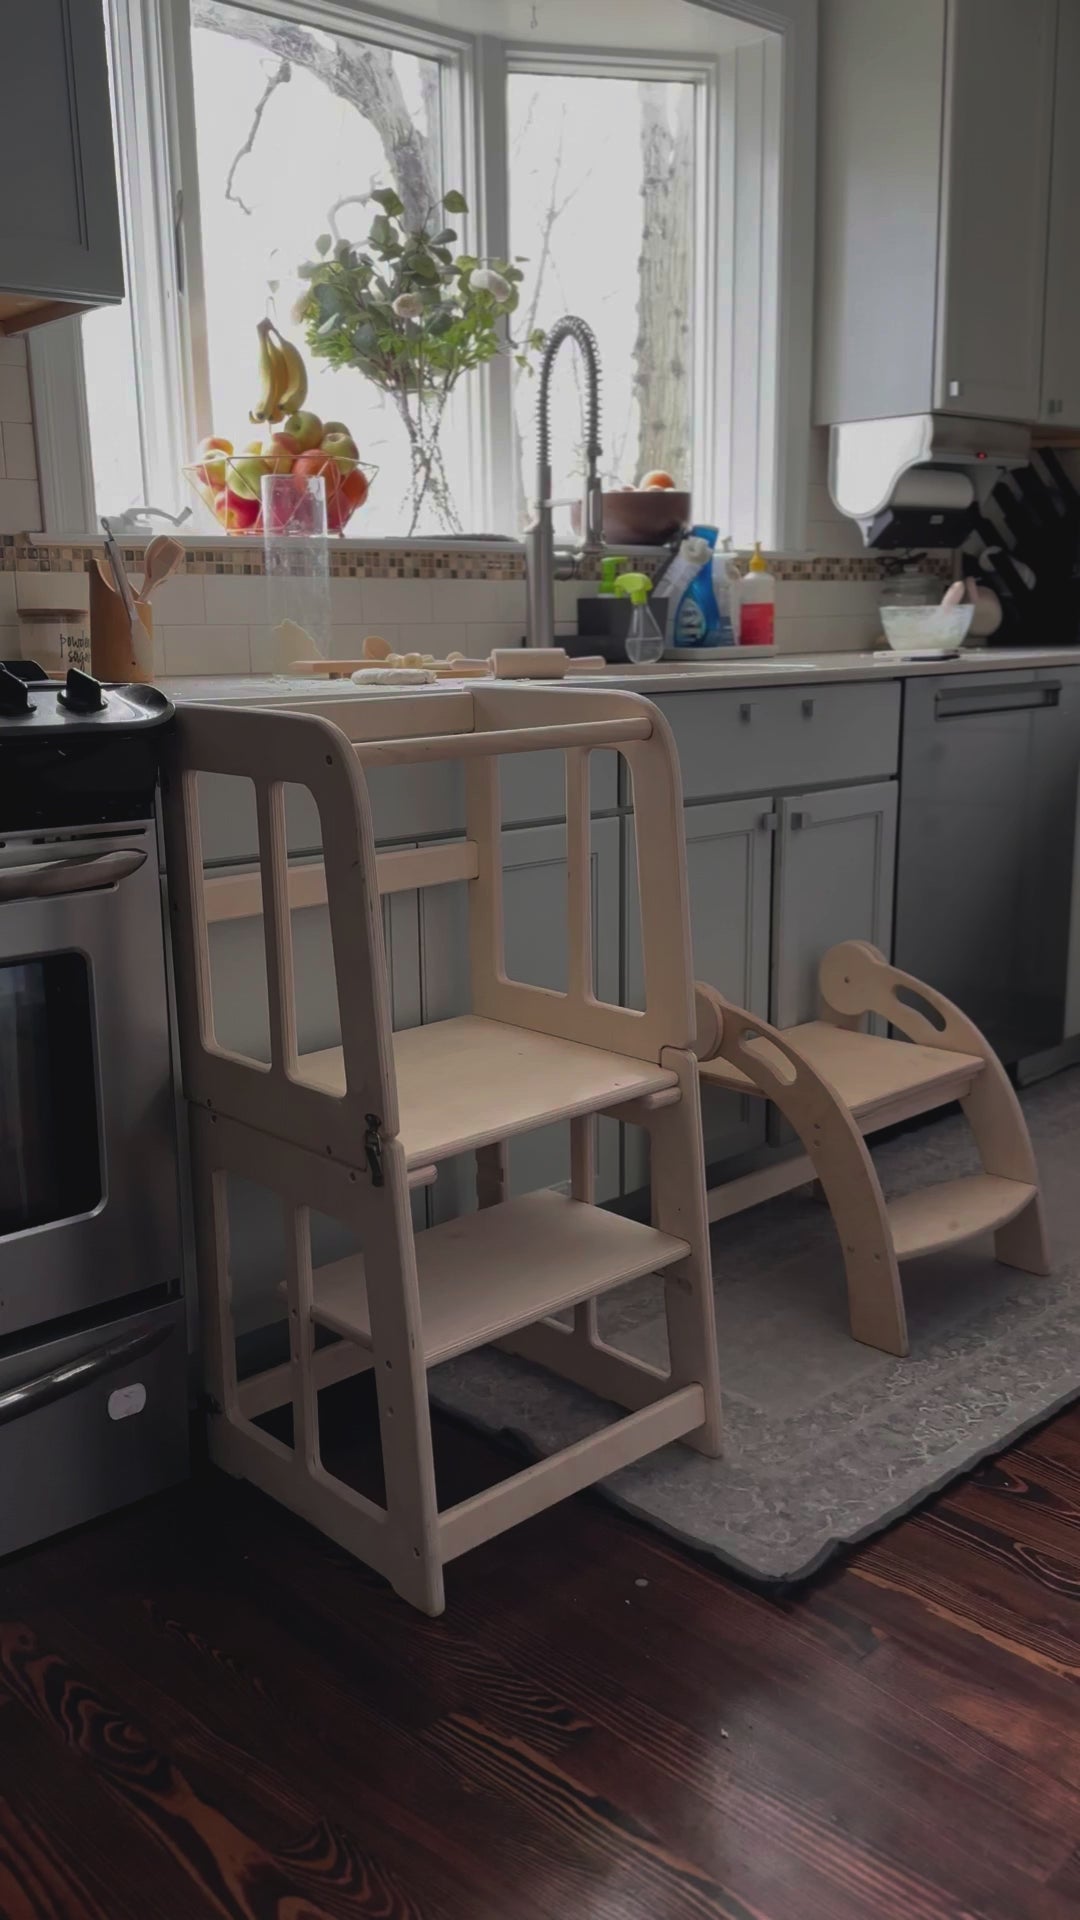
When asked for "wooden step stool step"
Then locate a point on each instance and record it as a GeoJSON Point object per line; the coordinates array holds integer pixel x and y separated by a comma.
{"type": "Point", "coordinates": [489, 1273]}
{"type": "Point", "coordinates": [954, 1211]}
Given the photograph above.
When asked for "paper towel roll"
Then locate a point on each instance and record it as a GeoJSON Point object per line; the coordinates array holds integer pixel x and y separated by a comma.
{"type": "Point", "coordinates": [934, 490]}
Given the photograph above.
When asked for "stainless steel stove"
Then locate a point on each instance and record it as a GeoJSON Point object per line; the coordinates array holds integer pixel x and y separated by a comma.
{"type": "Point", "coordinates": [92, 1343]}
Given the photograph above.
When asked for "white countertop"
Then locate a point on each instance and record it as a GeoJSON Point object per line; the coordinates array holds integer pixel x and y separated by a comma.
{"type": "Point", "coordinates": [743, 670]}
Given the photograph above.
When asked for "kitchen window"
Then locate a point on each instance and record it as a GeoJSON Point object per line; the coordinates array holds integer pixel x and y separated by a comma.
{"type": "Point", "coordinates": [635, 178]}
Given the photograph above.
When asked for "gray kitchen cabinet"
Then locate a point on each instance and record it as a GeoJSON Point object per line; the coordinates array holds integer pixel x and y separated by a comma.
{"type": "Point", "coordinates": [764, 739]}
{"type": "Point", "coordinates": [1061, 341]}
{"type": "Point", "coordinates": [833, 880]}
{"type": "Point", "coordinates": [935, 125]}
{"type": "Point", "coordinates": [59, 227]}
{"type": "Point", "coordinates": [534, 886]}
{"type": "Point", "coordinates": [729, 851]}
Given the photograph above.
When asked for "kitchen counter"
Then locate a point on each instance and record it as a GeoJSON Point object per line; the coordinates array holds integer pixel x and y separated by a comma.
{"type": "Point", "coordinates": [744, 670]}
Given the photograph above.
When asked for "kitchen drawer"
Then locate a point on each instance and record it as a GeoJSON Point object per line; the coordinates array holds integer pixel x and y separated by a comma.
{"type": "Point", "coordinates": [101, 1420]}
{"type": "Point", "coordinates": [765, 739]}
{"type": "Point", "coordinates": [408, 803]}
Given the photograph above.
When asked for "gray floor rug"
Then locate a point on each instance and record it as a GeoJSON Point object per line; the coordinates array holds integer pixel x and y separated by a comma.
{"type": "Point", "coordinates": [827, 1441]}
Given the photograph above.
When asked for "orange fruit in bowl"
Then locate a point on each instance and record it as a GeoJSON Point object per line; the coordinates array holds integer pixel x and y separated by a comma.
{"type": "Point", "coordinates": [656, 481]}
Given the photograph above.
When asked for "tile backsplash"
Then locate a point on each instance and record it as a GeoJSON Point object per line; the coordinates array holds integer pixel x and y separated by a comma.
{"type": "Point", "coordinates": [213, 616]}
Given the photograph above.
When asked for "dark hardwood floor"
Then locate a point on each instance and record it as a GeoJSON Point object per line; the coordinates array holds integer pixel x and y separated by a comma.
{"type": "Point", "coordinates": [205, 1709]}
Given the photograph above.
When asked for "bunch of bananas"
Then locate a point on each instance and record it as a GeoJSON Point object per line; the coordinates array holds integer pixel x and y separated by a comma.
{"type": "Point", "coordinates": [282, 375]}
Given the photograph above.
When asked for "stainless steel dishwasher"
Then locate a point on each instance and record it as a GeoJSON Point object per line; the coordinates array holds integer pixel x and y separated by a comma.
{"type": "Point", "coordinates": [988, 779]}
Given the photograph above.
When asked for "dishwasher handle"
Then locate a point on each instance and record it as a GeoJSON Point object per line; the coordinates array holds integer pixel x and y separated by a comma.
{"type": "Point", "coordinates": [78, 874]}
{"type": "Point", "coordinates": [28, 1396]}
{"type": "Point", "coordinates": [959, 703]}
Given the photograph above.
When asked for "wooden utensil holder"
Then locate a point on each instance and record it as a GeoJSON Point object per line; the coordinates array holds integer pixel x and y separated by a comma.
{"type": "Point", "coordinates": [115, 654]}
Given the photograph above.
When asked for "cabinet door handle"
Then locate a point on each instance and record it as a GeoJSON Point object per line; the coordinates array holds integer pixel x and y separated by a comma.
{"type": "Point", "coordinates": [768, 822]}
{"type": "Point", "coordinates": [808, 709]}
{"type": "Point", "coordinates": [799, 820]}
{"type": "Point", "coordinates": [955, 389]}
{"type": "Point", "coordinates": [746, 711]}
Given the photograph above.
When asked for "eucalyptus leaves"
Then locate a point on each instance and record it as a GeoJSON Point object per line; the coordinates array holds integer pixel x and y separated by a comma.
{"type": "Point", "coordinates": [412, 315]}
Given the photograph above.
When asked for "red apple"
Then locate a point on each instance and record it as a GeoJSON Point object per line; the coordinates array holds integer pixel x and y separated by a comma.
{"type": "Point", "coordinates": [241, 511]}
{"type": "Point", "coordinates": [213, 444]}
{"type": "Point", "coordinates": [286, 443]}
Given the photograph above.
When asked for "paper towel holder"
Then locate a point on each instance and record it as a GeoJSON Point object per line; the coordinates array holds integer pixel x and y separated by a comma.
{"type": "Point", "coordinates": [919, 480]}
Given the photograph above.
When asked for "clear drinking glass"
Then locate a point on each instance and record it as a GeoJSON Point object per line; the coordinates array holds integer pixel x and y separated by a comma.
{"type": "Point", "coordinates": [296, 557]}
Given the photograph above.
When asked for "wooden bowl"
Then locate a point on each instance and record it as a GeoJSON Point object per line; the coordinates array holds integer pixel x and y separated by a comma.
{"type": "Point", "coordinates": [640, 519]}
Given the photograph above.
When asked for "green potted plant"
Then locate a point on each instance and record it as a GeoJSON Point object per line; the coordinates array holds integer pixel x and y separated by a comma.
{"type": "Point", "coordinates": [413, 316]}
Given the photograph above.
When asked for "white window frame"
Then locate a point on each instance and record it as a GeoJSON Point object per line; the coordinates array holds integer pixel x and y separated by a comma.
{"type": "Point", "coordinates": [762, 114]}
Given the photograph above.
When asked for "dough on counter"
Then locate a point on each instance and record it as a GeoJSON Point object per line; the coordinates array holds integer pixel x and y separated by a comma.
{"type": "Point", "coordinates": [394, 677]}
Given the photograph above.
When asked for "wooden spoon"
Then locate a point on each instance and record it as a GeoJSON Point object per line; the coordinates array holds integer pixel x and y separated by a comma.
{"type": "Point", "coordinates": [160, 561]}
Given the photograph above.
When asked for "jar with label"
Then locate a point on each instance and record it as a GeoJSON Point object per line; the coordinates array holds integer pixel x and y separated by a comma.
{"type": "Point", "coordinates": [55, 637]}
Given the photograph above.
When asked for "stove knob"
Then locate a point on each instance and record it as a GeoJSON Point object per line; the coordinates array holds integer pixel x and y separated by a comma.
{"type": "Point", "coordinates": [82, 693]}
{"type": "Point", "coordinates": [14, 697]}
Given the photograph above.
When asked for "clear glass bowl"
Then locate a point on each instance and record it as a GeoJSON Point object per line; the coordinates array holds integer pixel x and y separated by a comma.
{"type": "Point", "coordinates": [909, 629]}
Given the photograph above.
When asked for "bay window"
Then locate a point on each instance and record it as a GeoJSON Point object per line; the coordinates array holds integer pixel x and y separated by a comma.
{"type": "Point", "coordinates": [625, 160]}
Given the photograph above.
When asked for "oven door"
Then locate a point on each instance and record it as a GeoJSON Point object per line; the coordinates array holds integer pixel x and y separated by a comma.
{"type": "Point", "coordinates": [88, 1207]}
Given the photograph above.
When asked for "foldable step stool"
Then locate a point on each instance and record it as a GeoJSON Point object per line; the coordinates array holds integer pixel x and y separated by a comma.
{"type": "Point", "coordinates": [834, 1083]}
{"type": "Point", "coordinates": [348, 1132]}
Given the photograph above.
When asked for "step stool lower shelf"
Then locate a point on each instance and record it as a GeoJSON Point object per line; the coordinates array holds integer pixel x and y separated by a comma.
{"type": "Point", "coordinates": [490, 1273]}
{"type": "Point", "coordinates": [954, 1211]}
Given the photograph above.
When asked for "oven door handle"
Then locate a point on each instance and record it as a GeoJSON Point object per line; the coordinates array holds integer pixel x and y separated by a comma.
{"type": "Point", "coordinates": [40, 1391]}
{"type": "Point", "coordinates": [76, 875]}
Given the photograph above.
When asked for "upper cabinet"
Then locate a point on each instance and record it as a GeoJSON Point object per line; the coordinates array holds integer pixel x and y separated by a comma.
{"type": "Point", "coordinates": [59, 227]}
{"type": "Point", "coordinates": [936, 133]}
{"type": "Point", "coordinates": [1060, 401]}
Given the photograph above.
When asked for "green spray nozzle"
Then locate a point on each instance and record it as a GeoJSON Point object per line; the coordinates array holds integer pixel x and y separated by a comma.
{"type": "Point", "coordinates": [609, 571]}
{"type": "Point", "coordinates": [637, 585]}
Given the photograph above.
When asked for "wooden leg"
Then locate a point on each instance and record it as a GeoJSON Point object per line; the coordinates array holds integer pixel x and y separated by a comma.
{"type": "Point", "coordinates": [583, 1187]}
{"type": "Point", "coordinates": [997, 1122]}
{"type": "Point", "coordinates": [839, 1157]}
{"type": "Point", "coordinates": [1022, 1242]}
{"type": "Point", "coordinates": [492, 1174]}
{"type": "Point", "coordinates": [401, 1386]}
{"type": "Point", "coordinates": [678, 1202]}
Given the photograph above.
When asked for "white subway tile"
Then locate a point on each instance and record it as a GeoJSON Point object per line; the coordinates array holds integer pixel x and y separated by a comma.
{"type": "Point", "coordinates": [180, 602]}
{"type": "Point", "coordinates": [827, 633]}
{"type": "Point", "coordinates": [8, 601]}
{"type": "Point", "coordinates": [397, 600]}
{"type": "Point", "coordinates": [234, 599]}
{"type": "Point", "coordinates": [157, 658]}
{"type": "Point", "coordinates": [52, 590]}
{"type": "Point", "coordinates": [20, 506]}
{"type": "Point", "coordinates": [348, 605]}
{"type": "Point", "coordinates": [12, 350]}
{"type": "Point", "coordinates": [347, 643]}
{"type": "Point", "coordinates": [837, 536]}
{"type": "Point", "coordinates": [494, 633]}
{"type": "Point", "coordinates": [473, 601]}
{"type": "Point", "coordinates": [567, 595]}
{"type": "Point", "coordinates": [216, 649]}
{"type": "Point", "coordinates": [20, 456]}
{"type": "Point", "coordinates": [15, 394]}
{"type": "Point", "coordinates": [10, 648]}
{"type": "Point", "coordinates": [266, 651]}
{"type": "Point", "coordinates": [826, 596]}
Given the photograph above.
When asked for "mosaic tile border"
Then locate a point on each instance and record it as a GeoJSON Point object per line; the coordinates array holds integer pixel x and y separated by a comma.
{"type": "Point", "coordinates": [351, 561]}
